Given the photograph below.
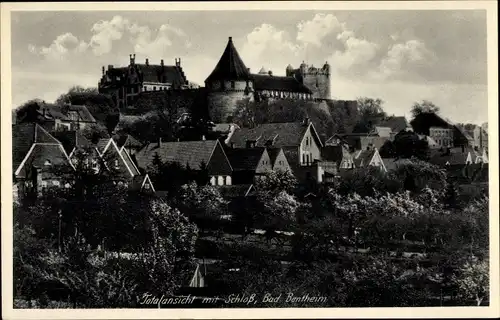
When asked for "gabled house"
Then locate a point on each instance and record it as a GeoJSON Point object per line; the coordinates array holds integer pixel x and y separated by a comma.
{"type": "Point", "coordinates": [128, 142]}
{"type": "Point", "coordinates": [300, 142]}
{"type": "Point", "coordinates": [458, 156]}
{"type": "Point", "coordinates": [443, 131]}
{"type": "Point", "coordinates": [249, 164]}
{"type": "Point", "coordinates": [368, 157]}
{"type": "Point", "coordinates": [55, 117]}
{"type": "Point", "coordinates": [278, 159]}
{"type": "Point", "coordinates": [72, 141]}
{"type": "Point", "coordinates": [396, 124]}
{"type": "Point", "coordinates": [118, 162]}
{"type": "Point", "coordinates": [35, 155]}
{"type": "Point", "coordinates": [301, 136]}
{"type": "Point", "coordinates": [339, 155]}
{"type": "Point", "coordinates": [195, 154]}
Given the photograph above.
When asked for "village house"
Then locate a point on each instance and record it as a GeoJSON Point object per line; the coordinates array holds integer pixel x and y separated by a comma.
{"type": "Point", "coordinates": [300, 142]}
{"type": "Point", "coordinates": [55, 117]}
{"type": "Point", "coordinates": [278, 159]}
{"type": "Point", "coordinates": [195, 154]}
{"type": "Point", "coordinates": [444, 132]}
{"type": "Point", "coordinates": [458, 156]}
{"type": "Point", "coordinates": [368, 157]}
{"type": "Point", "coordinates": [35, 155]}
{"type": "Point", "coordinates": [249, 164]}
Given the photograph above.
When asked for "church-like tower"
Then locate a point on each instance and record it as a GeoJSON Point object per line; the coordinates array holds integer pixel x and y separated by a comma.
{"type": "Point", "coordinates": [229, 82]}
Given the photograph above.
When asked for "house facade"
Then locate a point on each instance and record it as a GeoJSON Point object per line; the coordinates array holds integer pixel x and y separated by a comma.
{"type": "Point", "coordinates": [198, 155]}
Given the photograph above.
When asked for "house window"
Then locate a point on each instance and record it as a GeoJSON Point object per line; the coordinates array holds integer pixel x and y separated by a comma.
{"type": "Point", "coordinates": [220, 180]}
{"type": "Point", "coordinates": [154, 88]}
{"type": "Point", "coordinates": [116, 164]}
{"type": "Point", "coordinates": [145, 88]}
{"type": "Point", "coordinates": [146, 186]}
{"type": "Point", "coordinates": [212, 181]}
{"type": "Point", "coordinates": [303, 158]}
{"type": "Point", "coordinates": [228, 180]}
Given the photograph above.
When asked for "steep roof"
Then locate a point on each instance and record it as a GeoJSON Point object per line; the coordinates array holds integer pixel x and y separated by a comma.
{"type": "Point", "coordinates": [278, 83]}
{"type": "Point", "coordinates": [230, 65]}
{"type": "Point", "coordinates": [273, 154]}
{"type": "Point", "coordinates": [71, 139]}
{"type": "Point", "coordinates": [192, 153]}
{"type": "Point", "coordinates": [451, 156]}
{"type": "Point", "coordinates": [164, 74]}
{"type": "Point", "coordinates": [245, 158]}
{"type": "Point", "coordinates": [395, 123]}
{"type": "Point", "coordinates": [54, 111]}
{"type": "Point", "coordinates": [123, 139]}
{"type": "Point", "coordinates": [285, 134]}
{"type": "Point", "coordinates": [42, 154]}
{"type": "Point", "coordinates": [375, 141]}
{"type": "Point", "coordinates": [23, 137]}
{"type": "Point", "coordinates": [362, 158]}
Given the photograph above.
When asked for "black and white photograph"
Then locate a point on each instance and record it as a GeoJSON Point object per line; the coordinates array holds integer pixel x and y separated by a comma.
{"type": "Point", "coordinates": [249, 158]}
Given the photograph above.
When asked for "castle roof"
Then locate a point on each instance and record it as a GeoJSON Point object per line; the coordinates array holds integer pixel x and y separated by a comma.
{"type": "Point", "coordinates": [230, 65]}
{"type": "Point", "coordinates": [165, 74]}
{"type": "Point", "coordinates": [278, 83]}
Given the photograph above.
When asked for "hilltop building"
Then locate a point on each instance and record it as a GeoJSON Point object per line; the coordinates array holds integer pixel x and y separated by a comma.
{"type": "Point", "coordinates": [124, 84]}
{"type": "Point", "coordinates": [231, 81]}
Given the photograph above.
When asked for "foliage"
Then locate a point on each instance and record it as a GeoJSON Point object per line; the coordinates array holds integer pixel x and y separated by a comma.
{"type": "Point", "coordinates": [204, 204]}
{"type": "Point", "coordinates": [424, 106]}
{"type": "Point", "coordinates": [473, 280]}
{"type": "Point", "coordinates": [28, 110]}
{"type": "Point", "coordinates": [417, 174]}
{"type": "Point", "coordinates": [368, 180]}
{"type": "Point", "coordinates": [276, 181]}
{"type": "Point", "coordinates": [95, 132]}
{"type": "Point", "coordinates": [371, 113]}
{"type": "Point", "coordinates": [407, 144]}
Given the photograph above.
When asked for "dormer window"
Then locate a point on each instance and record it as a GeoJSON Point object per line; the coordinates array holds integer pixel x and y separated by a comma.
{"type": "Point", "coordinates": [250, 144]}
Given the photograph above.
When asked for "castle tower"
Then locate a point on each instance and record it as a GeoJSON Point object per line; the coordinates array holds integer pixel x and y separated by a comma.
{"type": "Point", "coordinates": [229, 82]}
{"type": "Point", "coordinates": [316, 79]}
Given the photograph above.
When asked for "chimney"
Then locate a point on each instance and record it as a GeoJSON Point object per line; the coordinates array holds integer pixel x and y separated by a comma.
{"type": "Point", "coordinates": [306, 121]}
{"type": "Point", "coordinates": [178, 62]}
{"type": "Point", "coordinates": [147, 61]}
{"type": "Point", "coordinates": [203, 138]}
{"type": "Point", "coordinates": [270, 73]}
{"type": "Point", "coordinates": [110, 66]}
{"type": "Point", "coordinates": [248, 69]}
{"type": "Point", "coordinates": [103, 70]}
{"type": "Point", "coordinates": [230, 38]}
{"type": "Point", "coordinates": [161, 62]}
{"type": "Point", "coordinates": [159, 142]}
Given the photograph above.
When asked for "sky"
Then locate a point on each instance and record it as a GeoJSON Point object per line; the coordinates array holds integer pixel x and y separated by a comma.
{"type": "Point", "coordinates": [400, 57]}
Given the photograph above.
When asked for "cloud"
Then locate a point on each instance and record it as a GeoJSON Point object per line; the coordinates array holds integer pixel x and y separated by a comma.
{"type": "Point", "coordinates": [321, 25]}
{"type": "Point", "coordinates": [267, 46]}
{"type": "Point", "coordinates": [357, 52]}
{"type": "Point", "coordinates": [62, 45]}
{"type": "Point", "coordinates": [404, 60]}
{"type": "Point", "coordinates": [105, 33]}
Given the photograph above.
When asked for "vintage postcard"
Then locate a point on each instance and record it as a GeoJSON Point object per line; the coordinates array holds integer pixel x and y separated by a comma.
{"type": "Point", "coordinates": [249, 160]}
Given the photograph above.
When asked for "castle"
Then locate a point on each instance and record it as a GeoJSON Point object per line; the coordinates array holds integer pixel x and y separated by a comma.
{"type": "Point", "coordinates": [229, 82]}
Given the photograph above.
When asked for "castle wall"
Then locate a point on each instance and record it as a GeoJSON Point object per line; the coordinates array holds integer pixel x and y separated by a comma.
{"type": "Point", "coordinates": [319, 84]}
{"type": "Point", "coordinates": [222, 105]}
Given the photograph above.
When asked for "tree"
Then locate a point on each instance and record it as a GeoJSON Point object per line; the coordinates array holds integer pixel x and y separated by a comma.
{"type": "Point", "coordinates": [371, 114]}
{"type": "Point", "coordinates": [66, 97]}
{"type": "Point", "coordinates": [407, 144]}
{"type": "Point", "coordinates": [28, 111]}
{"type": "Point", "coordinates": [204, 204]}
{"type": "Point", "coordinates": [473, 280]}
{"type": "Point", "coordinates": [424, 106]}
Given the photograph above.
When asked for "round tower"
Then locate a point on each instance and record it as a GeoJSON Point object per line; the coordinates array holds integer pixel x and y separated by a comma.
{"type": "Point", "coordinates": [228, 83]}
